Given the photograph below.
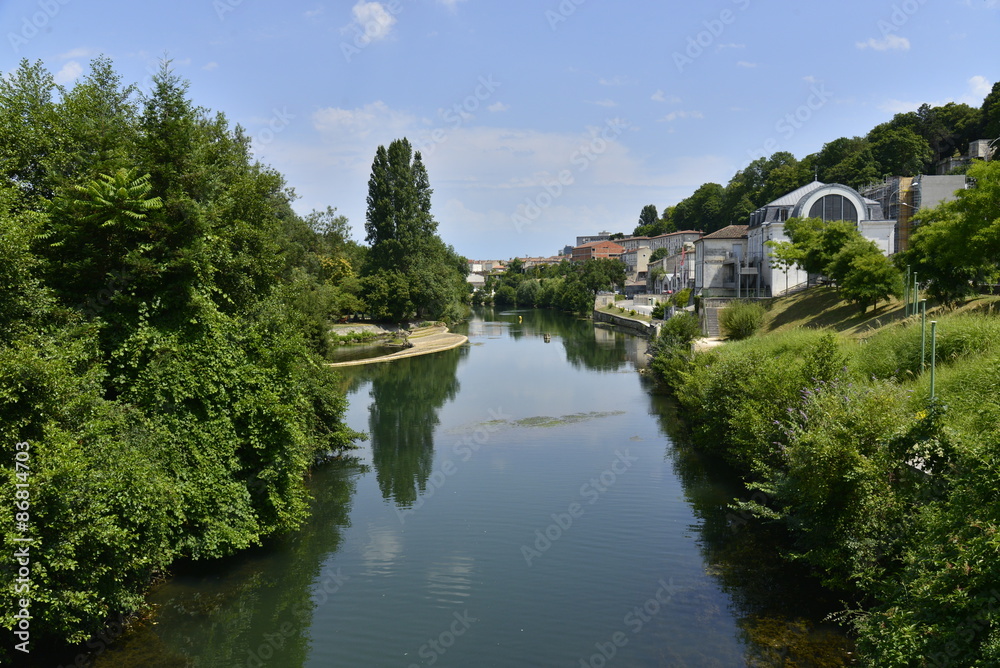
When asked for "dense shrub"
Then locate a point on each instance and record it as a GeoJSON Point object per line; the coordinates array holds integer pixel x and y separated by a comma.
{"type": "Point", "coordinates": [505, 297]}
{"type": "Point", "coordinates": [741, 320]}
{"type": "Point", "coordinates": [672, 352]}
{"type": "Point", "coordinates": [681, 298]}
{"type": "Point", "coordinates": [528, 293]}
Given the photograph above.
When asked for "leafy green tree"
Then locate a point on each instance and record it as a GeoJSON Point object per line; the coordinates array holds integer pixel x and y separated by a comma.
{"type": "Point", "coordinates": [506, 296]}
{"type": "Point", "coordinates": [816, 243]}
{"type": "Point", "coordinates": [955, 245]}
{"type": "Point", "coordinates": [899, 151]}
{"type": "Point", "coordinates": [601, 274]}
{"type": "Point", "coordinates": [97, 229]}
{"type": "Point", "coordinates": [949, 128]}
{"type": "Point", "coordinates": [783, 255]}
{"type": "Point", "coordinates": [763, 181]}
{"type": "Point", "coordinates": [181, 420]}
{"type": "Point", "coordinates": [648, 216]}
{"type": "Point", "coordinates": [29, 131]}
{"type": "Point", "coordinates": [841, 262]}
{"type": "Point", "coordinates": [659, 254]}
{"type": "Point", "coordinates": [871, 278]}
{"type": "Point", "coordinates": [991, 113]}
{"type": "Point", "coordinates": [528, 293]}
{"type": "Point", "coordinates": [97, 117]}
{"type": "Point", "coordinates": [404, 242]}
{"type": "Point", "coordinates": [704, 210]}
{"type": "Point", "coordinates": [847, 160]}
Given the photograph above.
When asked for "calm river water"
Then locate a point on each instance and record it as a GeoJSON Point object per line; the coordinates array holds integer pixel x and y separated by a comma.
{"type": "Point", "coordinates": [518, 503]}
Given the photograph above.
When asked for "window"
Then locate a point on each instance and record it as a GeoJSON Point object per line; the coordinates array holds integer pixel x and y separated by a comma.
{"type": "Point", "coordinates": [834, 207]}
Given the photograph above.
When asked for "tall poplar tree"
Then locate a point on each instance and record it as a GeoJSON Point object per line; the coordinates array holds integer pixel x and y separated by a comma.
{"type": "Point", "coordinates": [409, 269]}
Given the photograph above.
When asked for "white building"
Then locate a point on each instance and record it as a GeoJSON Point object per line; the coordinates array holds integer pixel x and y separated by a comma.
{"type": "Point", "coordinates": [717, 257]}
{"type": "Point", "coordinates": [828, 202]}
{"type": "Point", "coordinates": [636, 260]}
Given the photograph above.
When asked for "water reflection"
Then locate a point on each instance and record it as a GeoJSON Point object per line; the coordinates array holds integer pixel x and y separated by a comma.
{"type": "Point", "coordinates": [597, 347]}
{"type": "Point", "coordinates": [780, 607]}
{"type": "Point", "coordinates": [407, 395]}
{"type": "Point", "coordinates": [251, 610]}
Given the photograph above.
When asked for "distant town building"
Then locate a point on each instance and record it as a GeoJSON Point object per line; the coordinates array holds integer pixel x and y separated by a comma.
{"type": "Point", "coordinates": [530, 262]}
{"type": "Point", "coordinates": [981, 149]}
{"type": "Point", "coordinates": [636, 260]}
{"type": "Point", "coordinates": [603, 236]}
{"type": "Point", "coordinates": [672, 273]}
{"type": "Point", "coordinates": [674, 241]}
{"type": "Point", "coordinates": [631, 243]}
{"type": "Point", "coordinates": [597, 249]}
{"type": "Point", "coordinates": [718, 258]}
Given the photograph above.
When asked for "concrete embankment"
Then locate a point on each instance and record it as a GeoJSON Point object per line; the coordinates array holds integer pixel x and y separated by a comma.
{"type": "Point", "coordinates": [634, 325]}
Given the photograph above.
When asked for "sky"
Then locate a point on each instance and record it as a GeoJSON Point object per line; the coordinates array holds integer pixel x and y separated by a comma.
{"type": "Point", "coordinates": [538, 120]}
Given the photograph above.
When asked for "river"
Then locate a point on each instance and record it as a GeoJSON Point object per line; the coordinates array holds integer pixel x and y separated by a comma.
{"type": "Point", "coordinates": [519, 502]}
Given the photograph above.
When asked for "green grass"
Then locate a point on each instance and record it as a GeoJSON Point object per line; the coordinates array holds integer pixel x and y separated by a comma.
{"type": "Point", "coordinates": [821, 307]}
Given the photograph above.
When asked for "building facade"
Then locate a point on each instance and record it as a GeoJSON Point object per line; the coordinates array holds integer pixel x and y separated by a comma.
{"type": "Point", "coordinates": [828, 202]}
{"type": "Point", "coordinates": [636, 260]}
{"type": "Point", "coordinates": [597, 249]}
{"type": "Point", "coordinates": [718, 260]}
{"type": "Point", "coordinates": [603, 236]}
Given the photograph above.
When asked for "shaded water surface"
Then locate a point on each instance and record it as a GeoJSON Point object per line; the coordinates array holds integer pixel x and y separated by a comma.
{"type": "Point", "coordinates": [518, 503]}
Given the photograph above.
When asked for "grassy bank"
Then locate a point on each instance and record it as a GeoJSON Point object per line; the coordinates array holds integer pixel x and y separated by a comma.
{"type": "Point", "coordinates": [889, 495]}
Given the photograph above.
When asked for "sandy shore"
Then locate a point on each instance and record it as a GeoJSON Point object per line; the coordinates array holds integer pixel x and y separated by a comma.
{"type": "Point", "coordinates": [425, 341]}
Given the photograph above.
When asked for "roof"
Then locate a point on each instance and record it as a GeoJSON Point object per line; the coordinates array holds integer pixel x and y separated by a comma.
{"type": "Point", "coordinates": [600, 243]}
{"type": "Point", "coordinates": [731, 232]}
{"type": "Point", "coordinates": [670, 234]}
{"type": "Point", "coordinates": [792, 198]}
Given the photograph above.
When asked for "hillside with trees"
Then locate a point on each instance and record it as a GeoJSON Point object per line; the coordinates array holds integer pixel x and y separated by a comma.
{"type": "Point", "coordinates": [910, 143]}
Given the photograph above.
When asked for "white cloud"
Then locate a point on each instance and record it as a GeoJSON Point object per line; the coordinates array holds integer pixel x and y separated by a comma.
{"type": "Point", "coordinates": [891, 42]}
{"type": "Point", "coordinates": [79, 52]}
{"type": "Point", "coordinates": [980, 86]}
{"type": "Point", "coordinates": [660, 96]}
{"type": "Point", "coordinates": [208, 67]}
{"type": "Point", "coordinates": [374, 19]}
{"type": "Point", "coordinates": [810, 79]}
{"type": "Point", "coordinates": [723, 47]}
{"type": "Point", "coordinates": [353, 124]}
{"type": "Point", "coordinates": [315, 13]}
{"type": "Point", "coordinates": [605, 103]}
{"type": "Point", "coordinates": [450, 4]}
{"type": "Point", "coordinates": [69, 72]}
{"type": "Point", "coordinates": [744, 63]}
{"type": "Point", "coordinates": [678, 115]}
{"type": "Point", "coordinates": [613, 81]}
{"type": "Point", "coordinates": [497, 107]}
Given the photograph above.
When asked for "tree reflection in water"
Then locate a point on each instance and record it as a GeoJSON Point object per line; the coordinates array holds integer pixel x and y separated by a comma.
{"type": "Point", "coordinates": [780, 606]}
{"type": "Point", "coordinates": [234, 612]}
{"type": "Point", "coordinates": [406, 397]}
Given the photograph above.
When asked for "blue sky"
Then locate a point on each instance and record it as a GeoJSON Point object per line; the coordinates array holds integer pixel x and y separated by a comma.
{"type": "Point", "coordinates": [540, 120]}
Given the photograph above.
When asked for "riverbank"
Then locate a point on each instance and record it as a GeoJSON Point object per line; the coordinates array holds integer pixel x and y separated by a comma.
{"type": "Point", "coordinates": [424, 341]}
{"type": "Point", "coordinates": [825, 425]}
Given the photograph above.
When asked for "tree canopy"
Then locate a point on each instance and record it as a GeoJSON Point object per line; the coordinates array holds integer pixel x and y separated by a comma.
{"type": "Point", "coordinates": [409, 270]}
{"type": "Point", "coordinates": [163, 324]}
